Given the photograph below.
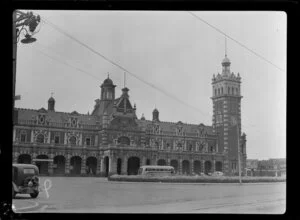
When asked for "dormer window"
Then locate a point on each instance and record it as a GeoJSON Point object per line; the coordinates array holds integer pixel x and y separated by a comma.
{"type": "Point", "coordinates": [73, 122]}
{"type": "Point", "coordinates": [41, 119]}
{"type": "Point", "coordinates": [180, 131]}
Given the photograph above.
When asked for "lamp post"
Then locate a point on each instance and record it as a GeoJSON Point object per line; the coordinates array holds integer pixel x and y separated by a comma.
{"type": "Point", "coordinates": [22, 22]}
{"type": "Point", "coordinates": [235, 123]}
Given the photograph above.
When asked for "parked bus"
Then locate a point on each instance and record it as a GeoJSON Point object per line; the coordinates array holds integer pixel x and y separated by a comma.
{"type": "Point", "coordinates": [156, 170]}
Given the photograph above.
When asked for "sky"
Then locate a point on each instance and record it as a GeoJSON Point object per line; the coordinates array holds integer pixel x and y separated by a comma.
{"type": "Point", "coordinates": [172, 50]}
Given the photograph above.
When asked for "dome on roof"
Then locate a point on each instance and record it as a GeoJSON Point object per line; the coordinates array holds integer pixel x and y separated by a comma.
{"type": "Point", "coordinates": [108, 81]}
{"type": "Point", "coordinates": [51, 99]}
{"type": "Point", "coordinates": [226, 60]}
{"type": "Point", "coordinates": [155, 110]}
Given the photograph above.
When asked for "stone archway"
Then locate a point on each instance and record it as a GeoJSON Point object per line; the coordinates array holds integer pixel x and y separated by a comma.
{"type": "Point", "coordinates": [24, 158]}
{"type": "Point", "coordinates": [59, 162]}
{"type": "Point", "coordinates": [119, 166]}
{"type": "Point", "coordinates": [75, 165]}
{"type": "Point", "coordinates": [106, 166]}
{"type": "Point", "coordinates": [186, 167]}
{"type": "Point", "coordinates": [219, 166]}
{"type": "Point", "coordinates": [161, 162]}
{"type": "Point", "coordinates": [197, 167]}
{"type": "Point", "coordinates": [133, 165]}
{"type": "Point", "coordinates": [91, 165]}
{"type": "Point", "coordinates": [42, 165]}
{"type": "Point", "coordinates": [207, 166]}
{"type": "Point", "coordinates": [174, 163]}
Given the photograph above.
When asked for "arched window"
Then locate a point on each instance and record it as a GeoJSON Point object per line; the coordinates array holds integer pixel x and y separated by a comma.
{"type": "Point", "coordinates": [215, 91]}
{"type": "Point", "coordinates": [237, 91]}
{"type": "Point", "coordinates": [232, 89]}
{"type": "Point", "coordinates": [219, 91]}
{"type": "Point", "coordinates": [228, 90]}
{"type": "Point", "coordinates": [72, 140]}
{"type": "Point", "coordinates": [40, 138]}
{"type": "Point", "coordinates": [222, 90]}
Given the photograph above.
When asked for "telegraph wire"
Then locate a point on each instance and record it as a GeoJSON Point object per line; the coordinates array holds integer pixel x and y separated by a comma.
{"type": "Point", "coordinates": [236, 41]}
{"type": "Point", "coordinates": [132, 74]}
{"type": "Point", "coordinates": [122, 68]}
{"type": "Point", "coordinates": [65, 63]}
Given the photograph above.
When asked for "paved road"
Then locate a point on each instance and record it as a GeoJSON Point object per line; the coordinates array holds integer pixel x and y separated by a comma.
{"type": "Point", "coordinates": [97, 195]}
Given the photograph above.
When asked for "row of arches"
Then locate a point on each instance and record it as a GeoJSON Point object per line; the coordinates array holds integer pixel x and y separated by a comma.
{"type": "Point", "coordinates": [132, 164]}
{"type": "Point", "coordinates": [59, 164]}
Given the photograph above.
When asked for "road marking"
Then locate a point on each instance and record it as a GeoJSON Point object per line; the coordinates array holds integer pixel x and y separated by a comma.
{"type": "Point", "coordinates": [28, 207]}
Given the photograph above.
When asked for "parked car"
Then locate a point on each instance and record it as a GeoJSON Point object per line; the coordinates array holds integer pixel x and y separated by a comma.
{"type": "Point", "coordinates": [25, 180]}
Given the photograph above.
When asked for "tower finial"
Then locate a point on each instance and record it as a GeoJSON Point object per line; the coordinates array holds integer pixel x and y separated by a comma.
{"type": "Point", "coordinates": [124, 79]}
{"type": "Point", "coordinates": [108, 75]}
{"type": "Point", "coordinates": [51, 94]}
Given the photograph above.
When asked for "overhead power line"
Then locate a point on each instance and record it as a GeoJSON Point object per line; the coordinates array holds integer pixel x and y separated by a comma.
{"type": "Point", "coordinates": [122, 68]}
{"type": "Point", "coordinates": [236, 41]}
{"type": "Point", "coordinates": [65, 63]}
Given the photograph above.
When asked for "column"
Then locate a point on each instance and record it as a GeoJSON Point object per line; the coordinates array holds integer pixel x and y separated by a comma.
{"type": "Point", "coordinates": [32, 136]}
{"type": "Point", "coordinates": [124, 166]}
{"type": "Point", "coordinates": [67, 165]}
{"type": "Point", "coordinates": [112, 168]}
{"type": "Point", "coordinates": [96, 141]}
{"type": "Point", "coordinates": [102, 171]}
{"type": "Point", "coordinates": [50, 164]}
{"type": "Point", "coordinates": [192, 166]}
{"type": "Point", "coordinates": [65, 139]}
{"type": "Point", "coordinates": [98, 168]}
{"type": "Point", "coordinates": [180, 166]}
{"type": "Point", "coordinates": [213, 168]}
{"type": "Point", "coordinates": [49, 137]}
{"type": "Point", "coordinates": [80, 140]}
{"type": "Point", "coordinates": [168, 161]}
{"type": "Point", "coordinates": [143, 161]}
{"type": "Point", "coordinates": [203, 166]}
{"type": "Point", "coordinates": [83, 165]}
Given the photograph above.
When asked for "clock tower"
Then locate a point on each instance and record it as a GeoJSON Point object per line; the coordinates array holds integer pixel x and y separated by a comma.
{"type": "Point", "coordinates": [227, 107]}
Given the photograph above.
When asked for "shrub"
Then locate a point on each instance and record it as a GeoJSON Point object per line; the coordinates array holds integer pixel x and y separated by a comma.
{"type": "Point", "coordinates": [195, 179]}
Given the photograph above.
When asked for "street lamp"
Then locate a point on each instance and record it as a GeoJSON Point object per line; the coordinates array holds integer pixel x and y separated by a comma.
{"type": "Point", "coordinates": [234, 122]}
{"type": "Point", "coordinates": [22, 22]}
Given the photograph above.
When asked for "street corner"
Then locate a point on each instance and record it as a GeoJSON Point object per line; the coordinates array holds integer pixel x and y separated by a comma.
{"type": "Point", "coordinates": [20, 205]}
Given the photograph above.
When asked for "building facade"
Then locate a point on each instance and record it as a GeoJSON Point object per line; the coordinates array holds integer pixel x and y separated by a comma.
{"type": "Point", "coordinates": [112, 140]}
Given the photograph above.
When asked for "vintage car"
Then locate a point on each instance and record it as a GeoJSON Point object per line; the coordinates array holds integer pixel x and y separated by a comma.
{"type": "Point", "coordinates": [25, 180]}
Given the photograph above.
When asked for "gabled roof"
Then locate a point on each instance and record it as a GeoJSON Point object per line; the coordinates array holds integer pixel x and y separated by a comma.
{"type": "Point", "coordinates": [54, 116]}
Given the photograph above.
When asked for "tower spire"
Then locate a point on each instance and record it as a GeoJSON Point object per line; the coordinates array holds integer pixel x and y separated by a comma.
{"type": "Point", "coordinates": [225, 46]}
{"type": "Point", "coordinates": [124, 79]}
